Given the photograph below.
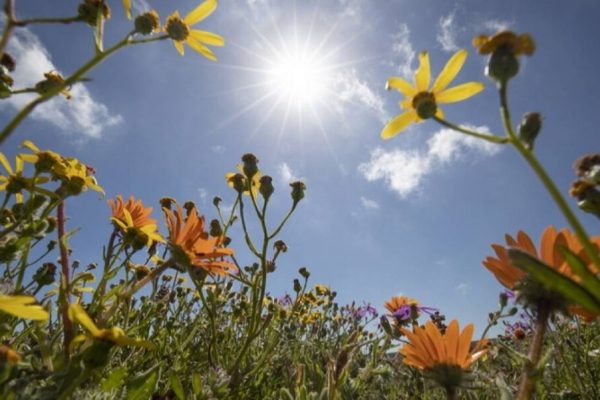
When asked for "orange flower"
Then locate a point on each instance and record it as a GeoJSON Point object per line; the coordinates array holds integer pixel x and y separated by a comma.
{"type": "Point", "coordinates": [133, 218]}
{"type": "Point", "coordinates": [550, 244]}
{"type": "Point", "coordinates": [191, 245]}
{"type": "Point", "coordinates": [428, 348]}
{"type": "Point", "coordinates": [397, 302]}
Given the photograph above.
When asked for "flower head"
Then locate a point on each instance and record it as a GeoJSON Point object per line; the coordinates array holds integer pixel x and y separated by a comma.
{"type": "Point", "coordinates": [14, 182]}
{"type": "Point", "coordinates": [421, 100]}
{"type": "Point", "coordinates": [134, 220]}
{"type": "Point", "coordinates": [113, 335]}
{"type": "Point", "coordinates": [192, 246]}
{"type": "Point", "coordinates": [517, 44]}
{"type": "Point", "coordinates": [23, 307]}
{"type": "Point", "coordinates": [549, 253]}
{"type": "Point", "coordinates": [180, 31]}
{"type": "Point", "coordinates": [239, 181]}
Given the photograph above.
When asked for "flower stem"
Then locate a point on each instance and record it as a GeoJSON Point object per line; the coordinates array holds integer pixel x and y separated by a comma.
{"type": "Point", "coordinates": [488, 137]}
{"type": "Point", "coordinates": [551, 187]}
{"type": "Point", "coordinates": [527, 387]}
{"type": "Point", "coordinates": [65, 279]}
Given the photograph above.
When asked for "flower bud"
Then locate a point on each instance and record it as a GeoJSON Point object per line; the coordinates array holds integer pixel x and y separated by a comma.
{"type": "Point", "coordinates": [304, 272]}
{"type": "Point", "coordinates": [280, 245]}
{"type": "Point", "coordinates": [298, 189]}
{"type": "Point", "coordinates": [297, 286]}
{"type": "Point", "coordinates": [529, 128]}
{"type": "Point", "coordinates": [503, 64]}
{"type": "Point", "coordinates": [215, 228]}
{"type": "Point", "coordinates": [239, 182]}
{"type": "Point", "coordinates": [271, 266]}
{"type": "Point", "coordinates": [167, 202]}
{"type": "Point", "coordinates": [45, 275]}
{"type": "Point", "coordinates": [249, 165]}
{"type": "Point", "coordinates": [266, 188]}
{"type": "Point", "coordinates": [588, 167]}
{"type": "Point", "coordinates": [89, 11]}
{"type": "Point", "coordinates": [216, 201]}
{"type": "Point", "coordinates": [189, 207]}
{"type": "Point", "coordinates": [147, 23]}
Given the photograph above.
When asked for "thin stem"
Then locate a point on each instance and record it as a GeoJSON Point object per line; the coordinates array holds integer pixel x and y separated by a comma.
{"type": "Point", "coordinates": [283, 222]}
{"type": "Point", "coordinates": [488, 137]}
{"type": "Point", "coordinates": [527, 386]}
{"type": "Point", "coordinates": [9, 10]}
{"type": "Point", "coordinates": [66, 20]}
{"type": "Point", "coordinates": [546, 180]}
{"type": "Point", "coordinates": [65, 280]}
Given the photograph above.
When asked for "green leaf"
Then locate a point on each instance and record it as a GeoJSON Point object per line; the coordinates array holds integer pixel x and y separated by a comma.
{"type": "Point", "coordinates": [588, 279]}
{"type": "Point", "coordinates": [114, 380]}
{"type": "Point", "coordinates": [142, 386]}
{"type": "Point", "coordinates": [176, 386]}
{"type": "Point", "coordinates": [554, 280]}
{"type": "Point", "coordinates": [196, 383]}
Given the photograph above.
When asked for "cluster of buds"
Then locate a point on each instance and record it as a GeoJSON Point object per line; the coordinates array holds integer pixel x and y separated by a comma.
{"type": "Point", "coordinates": [585, 188]}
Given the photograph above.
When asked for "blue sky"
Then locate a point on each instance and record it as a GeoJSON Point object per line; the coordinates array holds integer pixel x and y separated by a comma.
{"type": "Point", "coordinates": [414, 215]}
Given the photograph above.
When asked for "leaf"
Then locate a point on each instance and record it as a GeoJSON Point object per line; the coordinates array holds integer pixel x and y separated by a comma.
{"type": "Point", "coordinates": [554, 280]}
{"type": "Point", "coordinates": [142, 386]}
{"type": "Point", "coordinates": [114, 380]}
{"type": "Point", "coordinates": [588, 279]}
{"type": "Point", "coordinates": [196, 383]}
{"type": "Point", "coordinates": [176, 386]}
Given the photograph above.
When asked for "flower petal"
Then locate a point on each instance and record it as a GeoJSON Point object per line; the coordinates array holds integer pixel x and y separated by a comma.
{"type": "Point", "coordinates": [5, 164]}
{"type": "Point", "coordinates": [77, 313]}
{"type": "Point", "coordinates": [423, 74]}
{"type": "Point", "coordinates": [209, 38]}
{"type": "Point", "coordinates": [179, 46]}
{"type": "Point", "coordinates": [200, 12]}
{"type": "Point", "coordinates": [401, 85]}
{"type": "Point", "coordinates": [460, 92]}
{"type": "Point", "coordinates": [127, 7]}
{"type": "Point", "coordinates": [451, 69]}
{"type": "Point", "coordinates": [29, 144]}
{"type": "Point", "coordinates": [398, 124]}
{"type": "Point", "coordinates": [202, 49]}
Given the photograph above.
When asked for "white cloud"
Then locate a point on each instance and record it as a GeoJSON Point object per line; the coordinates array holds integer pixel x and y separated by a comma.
{"type": "Point", "coordinates": [203, 194]}
{"type": "Point", "coordinates": [403, 171]}
{"type": "Point", "coordinates": [351, 8]}
{"type": "Point", "coordinates": [286, 173]}
{"type": "Point", "coordinates": [217, 149]}
{"type": "Point", "coordinates": [369, 204]}
{"type": "Point", "coordinates": [447, 32]}
{"type": "Point", "coordinates": [495, 25]}
{"type": "Point", "coordinates": [462, 288]}
{"type": "Point", "coordinates": [403, 49]}
{"type": "Point", "coordinates": [81, 114]}
{"type": "Point", "coordinates": [349, 88]}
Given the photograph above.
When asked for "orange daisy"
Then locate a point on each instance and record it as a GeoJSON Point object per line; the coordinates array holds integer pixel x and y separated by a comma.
{"type": "Point", "coordinates": [133, 218]}
{"type": "Point", "coordinates": [428, 348]}
{"type": "Point", "coordinates": [549, 253]}
{"type": "Point", "coordinates": [191, 245]}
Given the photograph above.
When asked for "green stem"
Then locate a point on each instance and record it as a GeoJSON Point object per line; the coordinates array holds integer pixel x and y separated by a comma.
{"type": "Point", "coordinates": [488, 137]}
{"type": "Point", "coordinates": [67, 20]}
{"type": "Point", "coordinates": [9, 10]}
{"type": "Point", "coordinates": [545, 178]}
{"type": "Point", "coordinates": [65, 279]}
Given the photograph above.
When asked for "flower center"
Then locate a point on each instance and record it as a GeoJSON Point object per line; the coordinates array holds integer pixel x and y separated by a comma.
{"type": "Point", "coordinates": [424, 104]}
{"type": "Point", "coordinates": [177, 29]}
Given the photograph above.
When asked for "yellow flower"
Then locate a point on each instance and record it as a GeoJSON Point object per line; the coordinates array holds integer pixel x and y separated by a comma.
{"type": "Point", "coordinates": [179, 30]}
{"type": "Point", "coordinates": [77, 176]}
{"type": "Point", "coordinates": [516, 44]}
{"type": "Point", "coordinates": [23, 307]}
{"type": "Point", "coordinates": [428, 348]}
{"type": "Point", "coordinates": [127, 7]}
{"type": "Point", "coordinates": [44, 161]}
{"type": "Point", "coordinates": [133, 218]}
{"type": "Point", "coordinates": [114, 335]}
{"type": "Point", "coordinates": [254, 183]}
{"type": "Point", "coordinates": [421, 100]}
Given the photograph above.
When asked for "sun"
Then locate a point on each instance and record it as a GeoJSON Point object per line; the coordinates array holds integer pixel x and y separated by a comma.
{"type": "Point", "coordinates": [298, 76]}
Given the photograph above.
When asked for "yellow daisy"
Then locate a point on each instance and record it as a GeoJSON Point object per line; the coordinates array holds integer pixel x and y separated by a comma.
{"type": "Point", "coordinates": [179, 30]}
{"type": "Point", "coordinates": [421, 100]}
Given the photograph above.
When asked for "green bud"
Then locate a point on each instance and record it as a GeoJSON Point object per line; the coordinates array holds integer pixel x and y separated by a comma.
{"type": "Point", "coordinates": [215, 228]}
{"type": "Point", "coordinates": [298, 189]}
{"type": "Point", "coordinates": [503, 299]}
{"type": "Point", "coordinates": [304, 272]}
{"type": "Point", "coordinates": [297, 286]}
{"type": "Point", "coordinates": [167, 202]}
{"type": "Point", "coordinates": [503, 64]}
{"type": "Point", "coordinates": [266, 188]}
{"type": "Point", "coordinates": [45, 275]}
{"type": "Point", "coordinates": [90, 10]}
{"type": "Point", "coordinates": [216, 201]}
{"type": "Point", "coordinates": [249, 165]}
{"type": "Point", "coordinates": [529, 128]}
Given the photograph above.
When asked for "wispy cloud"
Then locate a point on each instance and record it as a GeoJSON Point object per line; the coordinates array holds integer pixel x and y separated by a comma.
{"type": "Point", "coordinates": [286, 174]}
{"type": "Point", "coordinates": [350, 89]}
{"type": "Point", "coordinates": [81, 114]}
{"type": "Point", "coordinates": [448, 32]}
{"type": "Point", "coordinates": [403, 50]}
{"type": "Point", "coordinates": [369, 204]}
{"type": "Point", "coordinates": [404, 171]}
{"type": "Point", "coordinates": [494, 25]}
{"type": "Point", "coordinates": [462, 288]}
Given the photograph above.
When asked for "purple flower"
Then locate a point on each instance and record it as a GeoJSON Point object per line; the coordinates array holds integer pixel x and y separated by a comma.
{"type": "Point", "coordinates": [285, 300]}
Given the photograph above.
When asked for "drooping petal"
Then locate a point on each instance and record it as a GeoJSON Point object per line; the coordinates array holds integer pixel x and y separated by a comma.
{"type": "Point", "coordinates": [423, 74]}
{"type": "Point", "coordinates": [22, 307]}
{"type": "Point", "coordinates": [77, 313]}
{"type": "Point", "coordinates": [202, 49]}
{"type": "Point", "coordinates": [29, 144]}
{"type": "Point", "coordinates": [127, 7]}
{"type": "Point", "coordinates": [402, 86]}
{"type": "Point", "coordinates": [179, 46]}
{"type": "Point", "coordinates": [200, 12]}
{"type": "Point", "coordinates": [459, 93]}
{"type": "Point", "coordinates": [398, 124]}
{"type": "Point", "coordinates": [451, 69]}
{"type": "Point", "coordinates": [209, 38]}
